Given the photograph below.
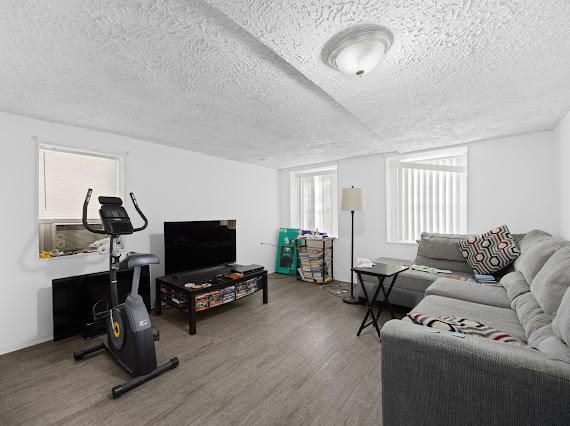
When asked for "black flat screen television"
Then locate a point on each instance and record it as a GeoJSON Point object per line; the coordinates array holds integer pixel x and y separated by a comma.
{"type": "Point", "coordinates": [199, 244]}
{"type": "Point", "coordinates": [73, 299]}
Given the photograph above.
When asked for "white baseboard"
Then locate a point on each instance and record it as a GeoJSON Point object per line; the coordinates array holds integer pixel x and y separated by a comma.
{"type": "Point", "coordinates": [27, 344]}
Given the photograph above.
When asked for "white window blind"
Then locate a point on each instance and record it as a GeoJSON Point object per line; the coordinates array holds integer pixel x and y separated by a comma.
{"type": "Point", "coordinates": [64, 178]}
{"type": "Point", "coordinates": [314, 199]}
{"type": "Point", "coordinates": [427, 193]}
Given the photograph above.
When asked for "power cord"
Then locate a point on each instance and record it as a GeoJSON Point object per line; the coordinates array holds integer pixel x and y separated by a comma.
{"type": "Point", "coordinates": [268, 244]}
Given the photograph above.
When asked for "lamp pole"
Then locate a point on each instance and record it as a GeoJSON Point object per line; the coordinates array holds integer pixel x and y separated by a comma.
{"type": "Point", "coordinates": [351, 253]}
{"type": "Point", "coordinates": [351, 299]}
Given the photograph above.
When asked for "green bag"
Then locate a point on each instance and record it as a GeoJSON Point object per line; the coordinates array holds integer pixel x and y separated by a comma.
{"type": "Point", "coordinates": [287, 251]}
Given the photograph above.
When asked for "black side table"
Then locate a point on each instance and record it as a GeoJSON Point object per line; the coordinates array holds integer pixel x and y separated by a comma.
{"type": "Point", "coordinates": [380, 271]}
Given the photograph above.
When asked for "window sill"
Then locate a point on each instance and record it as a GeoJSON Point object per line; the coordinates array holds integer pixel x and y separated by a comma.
{"type": "Point", "coordinates": [403, 243]}
{"type": "Point", "coordinates": [72, 256]}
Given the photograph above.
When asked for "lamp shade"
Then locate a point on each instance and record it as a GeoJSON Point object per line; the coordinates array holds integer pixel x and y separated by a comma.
{"type": "Point", "coordinates": [352, 199]}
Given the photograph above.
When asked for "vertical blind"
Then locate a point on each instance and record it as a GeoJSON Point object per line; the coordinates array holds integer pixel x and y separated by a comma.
{"type": "Point", "coordinates": [316, 200]}
{"type": "Point", "coordinates": [64, 178]}
{"type": "Point", "coordinates": [427, 194]}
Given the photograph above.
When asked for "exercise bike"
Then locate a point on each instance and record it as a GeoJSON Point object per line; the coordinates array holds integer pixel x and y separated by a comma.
{"type": "Point", "coordinates": [130, 336]}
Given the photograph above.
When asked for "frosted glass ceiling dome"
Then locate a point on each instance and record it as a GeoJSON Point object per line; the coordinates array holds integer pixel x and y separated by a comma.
{"type": "Point", "coordinates": [357, 50]}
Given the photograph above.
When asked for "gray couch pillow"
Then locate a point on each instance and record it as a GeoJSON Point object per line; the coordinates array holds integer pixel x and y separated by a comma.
{"type": "Point", "coordinates": [440, 251]}
{"type": "Point", "coordinates": [441, 246]}
{"type": "Point", "coordinates": [551, 282]}
{"type": "Point", "coordinates": [535, 256]}
{"type": "Point", "coordinates": [531, 238]}
{"type": "Point", "coordinates": [561, 324]}
{"type": "Point", "coordinates": [518, 237]}
{"type": "Point", "coordinates": [515, 284]}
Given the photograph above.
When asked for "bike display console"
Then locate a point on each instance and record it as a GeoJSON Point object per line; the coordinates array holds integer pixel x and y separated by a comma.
{"type": "Point", "coordinates": [212, 287]}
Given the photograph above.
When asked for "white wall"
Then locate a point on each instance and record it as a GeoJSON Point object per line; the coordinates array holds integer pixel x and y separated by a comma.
{"type": "Point", "coordinates": [170, 184]}
{"type": "Point", "coordinates": [510, 182]}
{"type": "Point", "coordinates": [562, 137]}
{"type": "Point", "coordinates": [518, 177]}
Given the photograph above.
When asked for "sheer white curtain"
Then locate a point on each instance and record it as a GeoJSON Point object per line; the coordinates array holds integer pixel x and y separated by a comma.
{"type": "Point", "coordinates": [316, 201]}
{"type": "Point", "coordinates": [427, 194]}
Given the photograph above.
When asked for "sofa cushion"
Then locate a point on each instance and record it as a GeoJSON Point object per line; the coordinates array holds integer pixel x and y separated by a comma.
{"type": "Point", "coordinates": [546, 341]}
{"type": "Point", "coordinates": [551, 282]}
{"type": "Point", "coordinates": [490, 252]}
{"type": "Point", "coordinates": [533, 259]}
{"type": "Point", "coordinates": [516, 284]}
{"type": "Point", "coordinates": [440, 251]}
{"type": "Point", "coordinates": [561, 324]}
{"type": "Point", "coordinates": [500, 318]}
{"type": "Point", "coordinates": [530, 314]}
{"type": "Point", "coordinates": [471, 292]}
{"type": "Point", "coordinates": [531, 238]}
{"type": "Point", "coordinates": [539, 328]}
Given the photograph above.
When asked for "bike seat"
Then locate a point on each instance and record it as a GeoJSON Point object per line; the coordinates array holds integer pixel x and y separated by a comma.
{"type": "Point", "coordinates": [138, 259]}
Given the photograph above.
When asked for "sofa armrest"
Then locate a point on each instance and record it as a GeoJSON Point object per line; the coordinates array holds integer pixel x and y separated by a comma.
{"type": "Point", "coordinates": [430, 378]}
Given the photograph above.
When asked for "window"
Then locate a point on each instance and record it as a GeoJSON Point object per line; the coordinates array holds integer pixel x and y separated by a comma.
{"type": "Point", "coordinates": [426, 192]}
{"type": "Point", "coordinates": [64, 177]}
{"type": "Point", "coordinates": [314, 200]}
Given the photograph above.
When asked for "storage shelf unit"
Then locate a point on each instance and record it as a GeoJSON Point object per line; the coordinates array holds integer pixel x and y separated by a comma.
{"type": "Point", "coordinates": [171, 290]}
{"type": "Point", "coordinates": [315, 259]}
{"type": "Point", "coordinates": [181, 301]}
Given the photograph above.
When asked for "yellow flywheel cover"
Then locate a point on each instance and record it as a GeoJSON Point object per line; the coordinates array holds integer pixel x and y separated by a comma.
{"type": "Point", "coordinates": [116, 329]}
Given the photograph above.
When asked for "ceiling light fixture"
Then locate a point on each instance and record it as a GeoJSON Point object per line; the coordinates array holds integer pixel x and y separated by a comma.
{"type": "Point", "coordinates": [357, 50]}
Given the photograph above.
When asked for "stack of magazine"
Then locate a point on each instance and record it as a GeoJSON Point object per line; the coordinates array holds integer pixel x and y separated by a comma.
{"type": "Point", "coordinates": [315, 265]}
{"type": "Point", "coordinates": [485, 279]}
{"type": "Point", "coordinates": [431, 270]}
{"type": "Point", "coordinates": [477, 278]}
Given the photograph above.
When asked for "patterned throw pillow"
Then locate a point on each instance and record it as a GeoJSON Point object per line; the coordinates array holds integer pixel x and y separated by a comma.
{"type": "Point", "coordinates": [490, 252]}
{"type": "Point", "coordinates": [465, 326]}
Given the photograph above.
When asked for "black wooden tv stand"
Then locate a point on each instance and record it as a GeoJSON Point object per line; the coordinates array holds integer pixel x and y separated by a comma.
{"type": "Point", "coordinates": [171, 290]}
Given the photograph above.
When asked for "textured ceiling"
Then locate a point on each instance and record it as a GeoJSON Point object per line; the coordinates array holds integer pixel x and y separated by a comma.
{"type": "Point", "coordinates": [243, 79]}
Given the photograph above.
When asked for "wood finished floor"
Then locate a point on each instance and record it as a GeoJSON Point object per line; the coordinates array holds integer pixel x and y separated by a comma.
{"type": "Point", "coordinates": [296, 360]}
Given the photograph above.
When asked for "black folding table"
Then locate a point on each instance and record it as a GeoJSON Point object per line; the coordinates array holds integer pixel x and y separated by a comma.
{"type": "Point", "coordinates": [380, 271]}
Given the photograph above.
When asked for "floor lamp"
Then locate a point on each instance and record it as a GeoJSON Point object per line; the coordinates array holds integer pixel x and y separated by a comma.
{"type": "Point", "coordinates": [352, 201]}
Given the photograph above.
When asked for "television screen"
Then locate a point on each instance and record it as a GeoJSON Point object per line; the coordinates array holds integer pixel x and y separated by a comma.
{"type": "Point", "coordinates": [74, 297]}
{"type": "Point", "coordinates": [200, 244]}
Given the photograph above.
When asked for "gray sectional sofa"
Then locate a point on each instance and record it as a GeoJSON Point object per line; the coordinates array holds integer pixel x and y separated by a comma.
{"type": "Point", "coordinates": [436, 250]}
{"type": "Point", "coordinates": [441, 379]}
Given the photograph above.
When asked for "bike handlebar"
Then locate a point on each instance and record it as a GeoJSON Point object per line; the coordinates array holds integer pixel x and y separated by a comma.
{"type": "Point", "coordinates": [140, 213]}
{"type": "Point", "coordinates": [99, 231]}
{"type": "Point", "coordinates": [84, 218]}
